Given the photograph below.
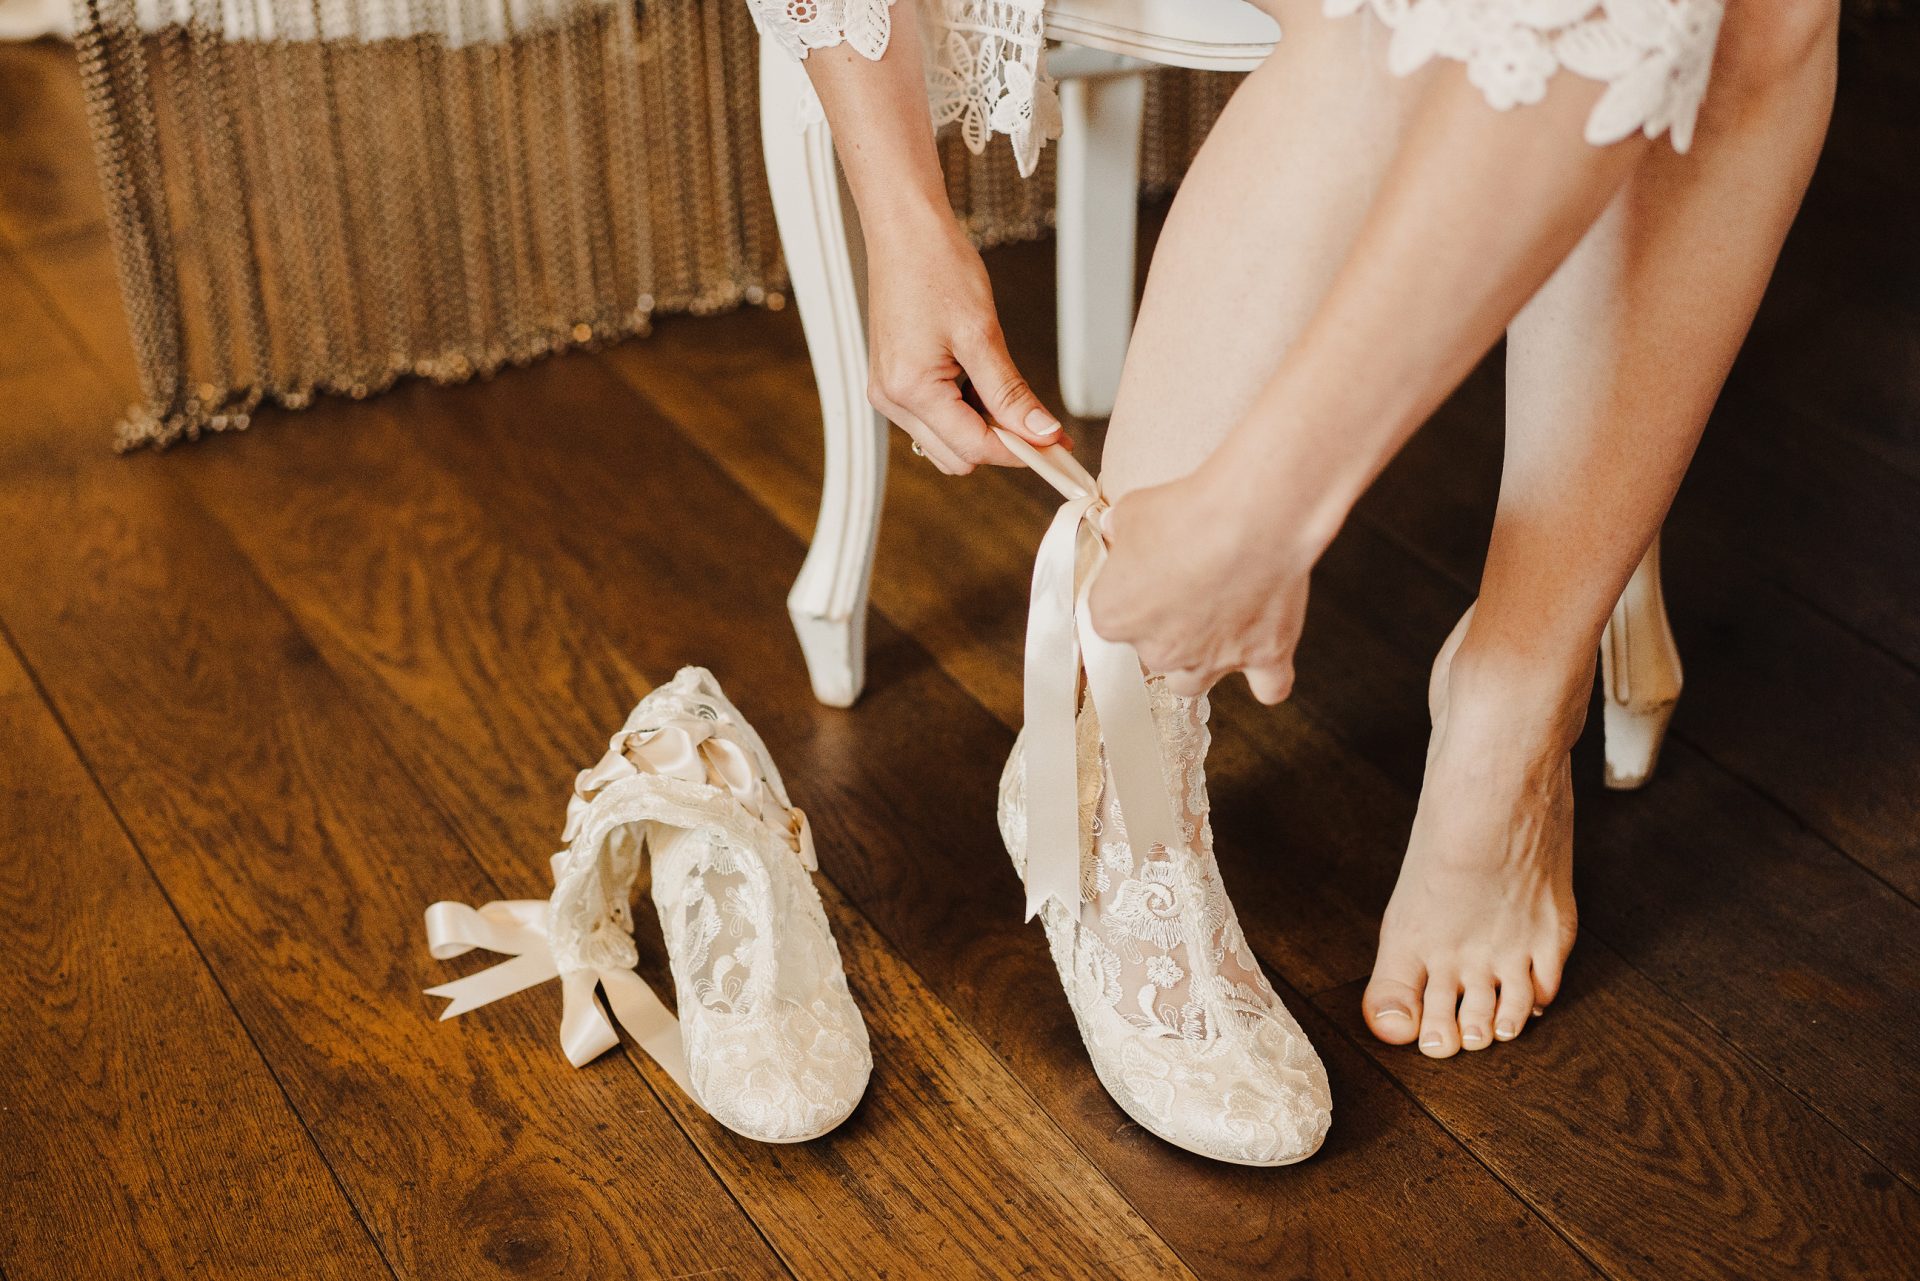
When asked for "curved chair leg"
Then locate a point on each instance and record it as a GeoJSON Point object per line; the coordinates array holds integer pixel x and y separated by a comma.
{"type": "Point", "coordinates": [1640, 676]}
{"type": "Point", "coordinates": [1096, 221]}
{"type": "Point", "coordinates": [828, 602]}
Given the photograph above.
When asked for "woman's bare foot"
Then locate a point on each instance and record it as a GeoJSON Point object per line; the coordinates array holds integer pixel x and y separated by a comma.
{"type": "Point", "coordinates": [1482, 917]}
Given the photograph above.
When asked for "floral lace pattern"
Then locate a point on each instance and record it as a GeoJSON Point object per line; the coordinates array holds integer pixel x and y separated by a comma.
{"type": "Point", "coordinates": [1654, 55]}
{"type": "Point", "coordinates": [798, 26]}
{"type": "Point", "coordinates": [986, 60]}
{"type": "Point", "coordinates": [1182, 1026]}
{"type": "Point", "coordinates": [775, 1047]}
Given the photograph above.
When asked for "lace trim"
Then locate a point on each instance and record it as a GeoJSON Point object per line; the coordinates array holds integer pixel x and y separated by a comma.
{"type": "Point", "coordinates": [1655, 56]}
{"type": "Point", "coordinates": [801, 25]}
{"type": "Point", "coordinates": [987, 74]}
{"type": "Point", "coordinates": [986, 61]}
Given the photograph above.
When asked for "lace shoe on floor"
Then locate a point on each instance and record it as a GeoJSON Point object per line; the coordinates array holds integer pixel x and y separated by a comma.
{"type": "Point", "coordinates": [768, 1040]}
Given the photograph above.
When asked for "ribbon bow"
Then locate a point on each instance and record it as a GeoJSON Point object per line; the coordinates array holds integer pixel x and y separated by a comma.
{"type": "Point", "coordinates": [1061, 643]}
{"type": "Point", "coordinates": [518, 928]}
{"type": "Point", "coordinates": [688, 749]}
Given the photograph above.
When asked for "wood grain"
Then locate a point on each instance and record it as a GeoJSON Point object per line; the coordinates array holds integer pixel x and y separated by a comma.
{"type": "Point", "coordinates": [1661, 1160]}
{"type": "Point", "coordinates": [299, 857]}
{"type": "Point", "coordinates": [141, 1129]}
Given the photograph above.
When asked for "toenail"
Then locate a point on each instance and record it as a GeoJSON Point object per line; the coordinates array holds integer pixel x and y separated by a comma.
{"type": "Point", "coordinates": [1538, 1010]}
{"type": "Point", "coordinates": [1431, 1041]}
{"type": "Point", "coordinates": [1473, 1036]}
{"type": "Point", "coordinates": [1504, 1031]}
{"type": "Point", "coordinates": [1391, 1012]}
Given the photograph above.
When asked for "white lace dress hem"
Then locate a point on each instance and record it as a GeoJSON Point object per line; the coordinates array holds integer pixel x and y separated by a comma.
{"type": "Point", "coordinates": [986, 59]}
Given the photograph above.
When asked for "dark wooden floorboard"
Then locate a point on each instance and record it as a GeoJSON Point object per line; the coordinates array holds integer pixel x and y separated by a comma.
{"type": "Point", "coordinates": [141, 1129]}
{"type": "Point", "coordinates": [300, 859]}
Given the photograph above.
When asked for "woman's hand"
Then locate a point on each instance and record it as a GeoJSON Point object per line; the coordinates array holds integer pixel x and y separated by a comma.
{"type": "Point", "coordinates": [933, 329]}
{"type": "Point", "coordinates": [1194, 585]}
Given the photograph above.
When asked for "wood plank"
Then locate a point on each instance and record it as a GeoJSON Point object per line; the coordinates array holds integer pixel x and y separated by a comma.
{"type": "Point", "coordinates": [1656, 1172]}
{"type": "Point", "coordinates": [1263, 774]}
{"type": "Point", "coordinates": [299, 858]}
{"type": "Point", "coordinates": [639, 527]}
{"type": "Point", "coordinates": [141, 1131]}
{"type": "Point", "coordinates": [496, 685]}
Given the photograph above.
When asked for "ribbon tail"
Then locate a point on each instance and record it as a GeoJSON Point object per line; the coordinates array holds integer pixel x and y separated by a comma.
{"type": "Point", "coordinates": [490, 985]}
{"type": "Point", "coordinates": [1052, 707]}
{"type": "Point", "coordinates": [585, 1032]}
{"type": "Point", "coordinates": [648, 1021]}
{"type": "Point", "coordinates": [1118, 688]}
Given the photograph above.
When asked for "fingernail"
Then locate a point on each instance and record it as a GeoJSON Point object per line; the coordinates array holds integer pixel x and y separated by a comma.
{"type": "Point", "coordinates": [1473, 1036]}
{"type": "Point", "coordinates": [1041, 423]}
{"type": "Point", "coordinates": [1503, 1031]}
{"type": "Point", "coordinates": [1431, 1041]}
{"type": "Point", "coordinates": [1391, 1012]}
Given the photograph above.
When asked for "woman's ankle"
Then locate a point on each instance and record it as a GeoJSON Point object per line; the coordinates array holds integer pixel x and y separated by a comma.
{"type": "Point", "coordinates": [1536, 698]}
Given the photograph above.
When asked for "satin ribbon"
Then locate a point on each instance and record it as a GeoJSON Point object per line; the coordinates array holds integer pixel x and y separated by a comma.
{"type": "Point", "coordinates": [687, 749]}
{"type": "Point", "coordinates": [1061, 644]}
{"type": "Point", "coordinates": [518, 928]}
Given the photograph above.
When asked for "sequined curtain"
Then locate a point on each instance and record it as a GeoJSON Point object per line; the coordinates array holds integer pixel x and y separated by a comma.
{"type": "Point", "coordinates": [323, 196]}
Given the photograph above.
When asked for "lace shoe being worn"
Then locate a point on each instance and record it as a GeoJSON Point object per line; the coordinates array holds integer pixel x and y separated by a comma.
{"type": "Point", "coordinates": [1184, 1030]}
{"type": "Point", "coordinates": [768, 1040]}
{"type": "Point", "coordinates": [1104, 811]}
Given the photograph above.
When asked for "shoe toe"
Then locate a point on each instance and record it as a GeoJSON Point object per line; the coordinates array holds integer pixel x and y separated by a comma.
{"type": "Point", "coordinates": [784, 1085]}
{"type": "Point", "coordinates": [1249, 1100]}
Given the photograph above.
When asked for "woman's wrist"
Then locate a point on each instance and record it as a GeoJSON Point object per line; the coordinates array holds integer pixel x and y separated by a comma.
{"type": "Point", "coordinates": [908, 225]}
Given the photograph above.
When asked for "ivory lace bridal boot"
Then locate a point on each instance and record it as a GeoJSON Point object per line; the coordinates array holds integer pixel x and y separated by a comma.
{"type": "Point", "coordinates": [768, 1040]}
{"type": "Point", "coordinates": [1104, 811]}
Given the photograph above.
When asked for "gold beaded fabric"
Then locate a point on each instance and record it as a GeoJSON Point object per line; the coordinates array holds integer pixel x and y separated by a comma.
{"type": "Point", "coordinates": [324, 196]}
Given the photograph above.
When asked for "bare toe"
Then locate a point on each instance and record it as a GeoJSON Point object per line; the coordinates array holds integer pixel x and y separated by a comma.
{"type": "Point", "coordinates": [1516, 999]}
{"type": "Point", "coordinates": [1391, 1000]}
{"type": "Point", "coordinates": [1439, 1025]}
{"type": "Point", "coordinates": [1476, 1013]}
{"type": "Point", "coordinates": [1546, 979]}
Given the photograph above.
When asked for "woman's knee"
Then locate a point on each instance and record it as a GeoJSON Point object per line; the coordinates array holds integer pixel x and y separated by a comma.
{"type": "Point", "coordinates": [1765, 43]}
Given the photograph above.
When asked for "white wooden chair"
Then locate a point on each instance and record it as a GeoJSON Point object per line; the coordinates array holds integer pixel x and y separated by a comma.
{"type": "Point", "coordinates": [1105, 46]}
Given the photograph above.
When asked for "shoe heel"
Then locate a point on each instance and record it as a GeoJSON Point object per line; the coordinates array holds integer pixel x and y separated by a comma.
{"type": "Point", "coordinates": [1640, 677]}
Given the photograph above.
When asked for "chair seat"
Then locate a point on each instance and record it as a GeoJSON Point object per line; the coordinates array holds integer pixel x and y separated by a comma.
{"type": "Point", "coordinates": [1208, 35]}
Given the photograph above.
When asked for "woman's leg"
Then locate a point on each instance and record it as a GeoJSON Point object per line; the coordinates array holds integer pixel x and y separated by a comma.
{"type": "Point", "coordinates": [1611, 372]}
{"type": "Point", "coordinates": [1262, 222]}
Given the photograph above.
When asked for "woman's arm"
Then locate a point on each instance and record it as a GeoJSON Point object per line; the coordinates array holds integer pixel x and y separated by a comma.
{"type": "Point", "coordinates": [930, 315]}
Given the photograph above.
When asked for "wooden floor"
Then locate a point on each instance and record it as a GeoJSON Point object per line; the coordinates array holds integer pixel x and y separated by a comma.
{"type": "Point", "coordinates": [264, 698]}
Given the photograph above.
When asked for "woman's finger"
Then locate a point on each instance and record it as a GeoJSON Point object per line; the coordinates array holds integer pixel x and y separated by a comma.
{"type": "Point", "coordinates": [931, 445]}
{"type": "Point", "coordinates": [1271, 685]}
{"type": "Point", "coordinates": [1004, 394]}
{"type": "Point", "coordinates": [963, 431]}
